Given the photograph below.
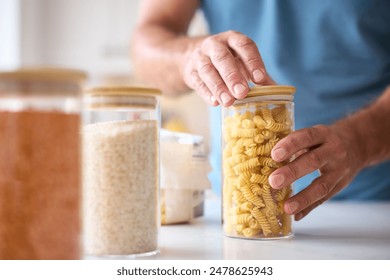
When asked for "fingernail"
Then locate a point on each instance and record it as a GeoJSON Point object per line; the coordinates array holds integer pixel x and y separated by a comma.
{"type": "Point", "coordinates": [279, 154]}
{"type": "Point", "coordinates": [276, 181]}
{"type": "Point", "coordinates": [239, 90]}
{"type": "Point", "coordinates": [225, 97]}
{"type": "Point", "coordinates": [212, 99]}
{"type": "Point", "coordinates": [292, 206]}
{"type": "Point", "coordinates": [258, 75]}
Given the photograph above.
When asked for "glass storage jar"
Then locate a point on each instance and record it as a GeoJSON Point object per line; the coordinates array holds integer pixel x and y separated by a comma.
{"type": "Point", "coordinates": [40, 178]}
{"type": "Point", "coordinates": [121, 172]}
{"type": "Point", "coordinates": [251, 128]}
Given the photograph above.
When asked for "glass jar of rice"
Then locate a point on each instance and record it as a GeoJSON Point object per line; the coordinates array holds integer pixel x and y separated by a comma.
{"type": "Point", "coordinates": [251, 128]}
{"type": "Point", "coordinates": [121, 171]}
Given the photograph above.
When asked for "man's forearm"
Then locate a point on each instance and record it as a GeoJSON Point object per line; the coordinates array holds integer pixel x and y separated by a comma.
{"type": "Point", "coordinates": [158, 56]}
{"type": "Point", "coordinates": [370, 130]}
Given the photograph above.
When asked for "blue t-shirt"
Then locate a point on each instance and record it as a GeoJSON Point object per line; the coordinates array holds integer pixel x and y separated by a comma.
{"type": "Point", "coordinates": [336, 53]}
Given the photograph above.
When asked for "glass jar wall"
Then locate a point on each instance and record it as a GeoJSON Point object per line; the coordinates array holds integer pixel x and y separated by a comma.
{"type": "Point", "coordinates": [121, 171]}
{"type": "Point", "coordinates": [40, 173]}
{"type": "Point", "coordinates": [251, 128]}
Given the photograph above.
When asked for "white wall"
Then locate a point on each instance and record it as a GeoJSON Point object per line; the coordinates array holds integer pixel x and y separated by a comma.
{"type": "Point", "coordinates": [88, 34]}
{"type": "Point", "coordinates": [9, 34]}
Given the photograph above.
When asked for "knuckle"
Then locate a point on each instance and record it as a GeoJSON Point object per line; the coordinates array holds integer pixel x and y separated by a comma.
{"type": "Point", "coordinates": [310, 134]}
{"type": "Point", "coordinates": [232, 76]}
{"type": "Point", "coordinates": [292, 142]}
{"type": "Point", "coordinates": [220, 54]}
{"type": "Point", "coordinates": [199, 84]}
{"type": "Point", "coordinates": [206, 68]}
{"type": "Point", "coordinates": [217, 87]}
{"type": "Point", "coordinates": [306, 201]}
{"type": "Point", "coordinates": [244, 42]}
{"type": "Point", "coordinates": [341, 151]}
{"type": "Point", "coordinates": [201, 87]}
{"type": "Point", "coordinates": [209, 41]}
{"type": "Point", "coordinates": [255, 60]}
{"type": "Point", "coordinates": [321, 128]}
{"type": "Point", "coordinates": [339, 146]}
{"type": "Point", "coordinates": [232, 33]}
{"type": "Point", "coordinates": [204, 86]}
{"type": "Point", "coordinates": [314, 159]}
{"type": "Point", "coordinates": [324, 188]}
{"type": "Point", "coordinates": [293, 171]}
{"type": "Point", "coordinates": [191, 78]}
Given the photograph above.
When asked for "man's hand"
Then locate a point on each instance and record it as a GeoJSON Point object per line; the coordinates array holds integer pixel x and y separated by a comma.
{"type": "Point", "coordinates": [333, 150]}
{"type": "Point", "coordinates": [219, 67]}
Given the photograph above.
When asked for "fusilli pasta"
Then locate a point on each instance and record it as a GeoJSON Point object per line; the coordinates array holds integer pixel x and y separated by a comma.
{"type": "Point", "coordinates": [251, 207]}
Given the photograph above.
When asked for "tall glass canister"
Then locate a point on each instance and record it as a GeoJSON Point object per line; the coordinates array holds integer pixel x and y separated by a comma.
{"type": "Point", "coordinates": [251, 128]}
{"type": "Point", "coordinates": [121, 172]}
{"type": "Point", "coordinates": [40, 176]}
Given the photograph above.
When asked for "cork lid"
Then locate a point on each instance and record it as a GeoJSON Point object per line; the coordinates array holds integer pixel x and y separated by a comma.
{"type": "Point", "coordinates": [122, 91]}
{"type": "Point", "coordinates": [44, 74]}
{"type": "Point", "coordinates": [109, 97]}
{"type": "Point", "coordinates": [271, 90]}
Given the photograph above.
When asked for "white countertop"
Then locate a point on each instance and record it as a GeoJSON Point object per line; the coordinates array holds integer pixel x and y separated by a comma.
{"type": "Point", "coordinates": [335, 230]}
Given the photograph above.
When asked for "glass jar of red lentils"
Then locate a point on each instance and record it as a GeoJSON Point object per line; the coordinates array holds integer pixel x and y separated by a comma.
{"type": "Point", "coordinates": [40, 164]}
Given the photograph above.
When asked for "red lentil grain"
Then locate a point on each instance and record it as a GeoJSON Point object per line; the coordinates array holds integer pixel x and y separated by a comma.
{"type": "Point", "coordinates": [39, 185]}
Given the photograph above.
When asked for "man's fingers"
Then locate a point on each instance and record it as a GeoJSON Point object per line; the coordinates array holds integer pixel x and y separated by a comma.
{"type": "Point", "coordinates": [317, 190]}
{"type": "Point", "coordinates": [298, 140]}
{"type": "Point", "coordinates": [196, 83]}
{"type": "Point", "coordinates": [225, 63]}
{"type": "Point", "coordinates": [339, 186]}
{"type": "Point", "coordinates": [214, 82]}
{"type": "Point", "coordinates": [301, 166]}
{"type": "Point", "coordinates": [247, 50]}
{"type": "Point", "coordinates": [221, 68]}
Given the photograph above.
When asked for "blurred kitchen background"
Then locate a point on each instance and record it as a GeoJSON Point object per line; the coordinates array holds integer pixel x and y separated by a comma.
{"type": "Point", "coordinates": [92, 35]}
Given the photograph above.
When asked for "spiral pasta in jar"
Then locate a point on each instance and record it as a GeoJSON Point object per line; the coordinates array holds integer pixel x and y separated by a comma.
{"type": "Point", "coordinates": [251, 128]}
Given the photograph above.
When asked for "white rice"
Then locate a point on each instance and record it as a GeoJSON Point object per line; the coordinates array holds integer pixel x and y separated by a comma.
{"type": "Point", "coordinates": [120, 188]}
